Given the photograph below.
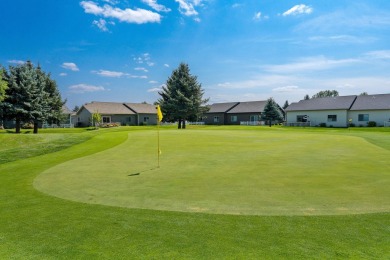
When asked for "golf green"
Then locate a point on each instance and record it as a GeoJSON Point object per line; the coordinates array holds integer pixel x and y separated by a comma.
{"type": "Point", "coordinates": [230, 172]}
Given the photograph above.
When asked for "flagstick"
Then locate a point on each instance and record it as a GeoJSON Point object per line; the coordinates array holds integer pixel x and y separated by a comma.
{"type": "Point", "coordinates": [158, 144]}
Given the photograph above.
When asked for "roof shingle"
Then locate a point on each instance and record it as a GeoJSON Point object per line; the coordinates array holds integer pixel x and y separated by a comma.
{"type": "Point", "coordinates": [328, 103]}
{"type": "Point", "coordinates": [372, 102]}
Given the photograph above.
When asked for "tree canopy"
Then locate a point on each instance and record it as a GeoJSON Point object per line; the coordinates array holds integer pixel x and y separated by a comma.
{"type": "Point", "coordinates": [326, 93]}
{"type": "Point", "coordinates": [272, 112]}
{"type": "Point", "coordinates": [3, 84]}
{"type": "Point", "coordinates": [182, 97]}
{"type": "Point", "coordinates": [31, 97]}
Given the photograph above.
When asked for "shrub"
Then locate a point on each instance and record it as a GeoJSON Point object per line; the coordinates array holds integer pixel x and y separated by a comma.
{"type": "Point", "coordinates": [28, 126]}
{"type": "Point", "coordinates": [371, 123]}
{"type": "Point", "coordinates": [322, 124]}
{"type": "Point", "coordinates": [352, 125]}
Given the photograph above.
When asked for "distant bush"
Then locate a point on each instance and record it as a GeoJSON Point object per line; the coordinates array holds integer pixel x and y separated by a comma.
{"type": "Point", "coordinates": [28, 126]}
{"type": "Point", "coordinates": [352, 125]}
{"type": "Point", "coordinates": [322, 124]}
{"type": "Point", "coordinates": [371, 123]}
{"type": "Point", "coordinates": [108, 125]}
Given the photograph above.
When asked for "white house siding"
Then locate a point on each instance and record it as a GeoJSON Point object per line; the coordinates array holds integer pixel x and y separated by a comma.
{"type": "Point", "coordinates": [83, 118]}
{"type": "Point", "coordinates": [379, 116]}
{"type": "Point", "coordinates": [318, 117]}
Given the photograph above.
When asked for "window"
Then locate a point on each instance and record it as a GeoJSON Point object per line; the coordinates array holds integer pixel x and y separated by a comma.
{"type": "Point", "coordinates": [233, 119]}
{"type": "Point", "coordinates": [129, 119]}
{"type": "Point", "coordinates": [216, 119]}
{"type": "Point", "coordinates": [363, 117]}
{"type": "Point", "coordinates": [146, 119]}
{"type": "Point", "coordinates": [332, 118]}
{"type": "Point", "coordinates": [106, 119]}
{"type": "Point", "coordinates": [253, 118]}
{"type": "Point", "coordinates": [302, 118]}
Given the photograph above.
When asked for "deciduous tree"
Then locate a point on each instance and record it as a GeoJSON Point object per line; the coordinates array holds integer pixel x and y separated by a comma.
{"type": "Point", "coordinates": [326, 93]}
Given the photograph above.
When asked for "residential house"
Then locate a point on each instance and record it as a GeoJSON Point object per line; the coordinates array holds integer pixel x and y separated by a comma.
{"type": "Point", "coordinates": [146, 114]}
{"type": "Point", "coordinates": [371, 108]}
{"type": "Point", "coordinates": [217, 113]}
{"type": "Point", "coordinates": [246, 112]}
{"type": "Point", "coordinates": [329, 111]}
{"type": "Point", "coordinates": [114, 112]}
{"type": "Point", "coordinates": [236, 113]}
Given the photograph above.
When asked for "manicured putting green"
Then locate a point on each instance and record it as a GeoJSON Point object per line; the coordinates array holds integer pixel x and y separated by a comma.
{"type": "Point", "coordinates": [231, 172]}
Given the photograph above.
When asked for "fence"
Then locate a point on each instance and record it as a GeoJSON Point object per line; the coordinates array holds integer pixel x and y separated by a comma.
{"type": "Point", "coordinates": [252, 123]}
{"type": "Point", "coordinates": [57, 126]}
{"type": "Point", "coordinates": [299, 124]}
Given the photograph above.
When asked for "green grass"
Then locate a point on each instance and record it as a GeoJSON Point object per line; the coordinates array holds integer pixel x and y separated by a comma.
{"type": "Point", "coordinates": [34, 225]}
{"type": "Point", "coordinates": [231, 172]}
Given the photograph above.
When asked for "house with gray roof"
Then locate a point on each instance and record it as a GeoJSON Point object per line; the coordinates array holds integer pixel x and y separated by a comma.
{"type": "Point", "coordinates": [332, 111]}
{"type": "Point", "coordinates": [246, 112]}
{"type": "Point", "coordinates": [235, 113]}
{"type": "Point", "coordinates": [115, 112]}
{"type": "Point", "coordinates": [340, 111]}
{"type": "Point", "coordinates": [371, 108]}
{"type": "Point", "coordinates": [217, 113]}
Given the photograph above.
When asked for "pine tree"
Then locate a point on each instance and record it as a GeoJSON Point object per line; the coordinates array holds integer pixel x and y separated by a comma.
{"type": "Point", "coordinates": [3, 83]}
{"type": "Point", "coordinates": [272, 112]}
{"type": "Point", "coordinates": [32, 97]}
{"type": "Point", "coordinates": [285, 104]}
{"type": "Point", "coordinates": [182, 97]}
{"type": "Point", "coordinates": [306, 97]}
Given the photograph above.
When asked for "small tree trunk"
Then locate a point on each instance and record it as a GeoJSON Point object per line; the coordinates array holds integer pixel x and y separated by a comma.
{"type": "Point", "coordinates": [270, 123]}
{"type": "Point", "coordinates": [35, 127]}
{"type": "Point", "coordinates": [184, 124]}
{"type": "Point", "coordinates": [17, 126]}
{"type": "Point", "coordinates": [179, 124]}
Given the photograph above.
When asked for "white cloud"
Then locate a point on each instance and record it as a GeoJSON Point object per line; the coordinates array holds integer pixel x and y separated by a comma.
{"type": "Point", "coordinates": [144, 58]}
{"type": "Point", "coordinates": [298, 9]}
{"type": "Point", "coordinates": [259, 16]}
{"type": "Point", "coordinates": [153, 4]}
{"type": "Point", "coordinates": [154, 89]}
{"type": "Point", "coordinates": [153, 82]}
{"type": "Point", "coordinates": [138, 16]}
{"type": "Point", "coordinates": [63, 74]}
{"type": "Point", "coordinates": [166, 65]}
{"type": "Point", "coordinates": [101, 24]}
{"type": "Point", "coordinates": [82, 88]}
{"type": "Point", "coordinates": [141, 69]}
{"type": "Point", "coordinates": [382, 54]}
{"type": "Point", "coordinates": [310, 64]}
{"type": "Point", "coordinates": [110, 74]}
{"type": "Point", "coordinates": [70, 66]}
{"type": "Point", "coordinates": [236, 5]}
{"type": "Point", "coordinates": [187, 8]}
{"type": "Point", "coordinates": [286, 89]}
{"type": "Point", "coordinates": [18, 62]}
{"type": "Point", "coordinates": [138, 77]}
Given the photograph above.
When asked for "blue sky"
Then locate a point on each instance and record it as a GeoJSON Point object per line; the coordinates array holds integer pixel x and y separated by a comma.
{"type": "Point", "coordinates": [124, 50]}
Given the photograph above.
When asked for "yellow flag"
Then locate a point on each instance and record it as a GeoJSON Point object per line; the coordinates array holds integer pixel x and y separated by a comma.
{"type": "Point", "coordinates": [159, 114]}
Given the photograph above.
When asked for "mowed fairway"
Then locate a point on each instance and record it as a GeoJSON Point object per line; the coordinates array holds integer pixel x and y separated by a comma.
{"type": "Point", "coordinates": [226, 171]}
{"type": "Point", "coordinates": [37, 225]}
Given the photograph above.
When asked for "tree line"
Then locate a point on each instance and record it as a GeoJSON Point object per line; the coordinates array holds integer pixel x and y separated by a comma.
{"type": "Point", "coordinates": [29, 95]}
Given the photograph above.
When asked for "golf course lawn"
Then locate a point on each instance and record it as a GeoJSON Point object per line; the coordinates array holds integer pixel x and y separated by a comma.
{"type": "Point", "coordinates": [219, 193]}
{"type": "Point", "coordinates": [230, 172]}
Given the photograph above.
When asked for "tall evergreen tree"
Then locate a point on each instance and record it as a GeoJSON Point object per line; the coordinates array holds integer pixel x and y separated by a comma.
{"type": "Point", "coordinates": [3, 83]}
{"type": "Point", "coordinates": [306, 97]}
{"type": "Point", "coordinates": [182, 97]}
{"type": "Point", "coordinates": [272, 112]}
{"type": "Point", "coordinates": [285, 104]}
{"type": "Point", "coordinates": [32, 96]}
{"type": "Point", "coordinates": [17, 103]}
